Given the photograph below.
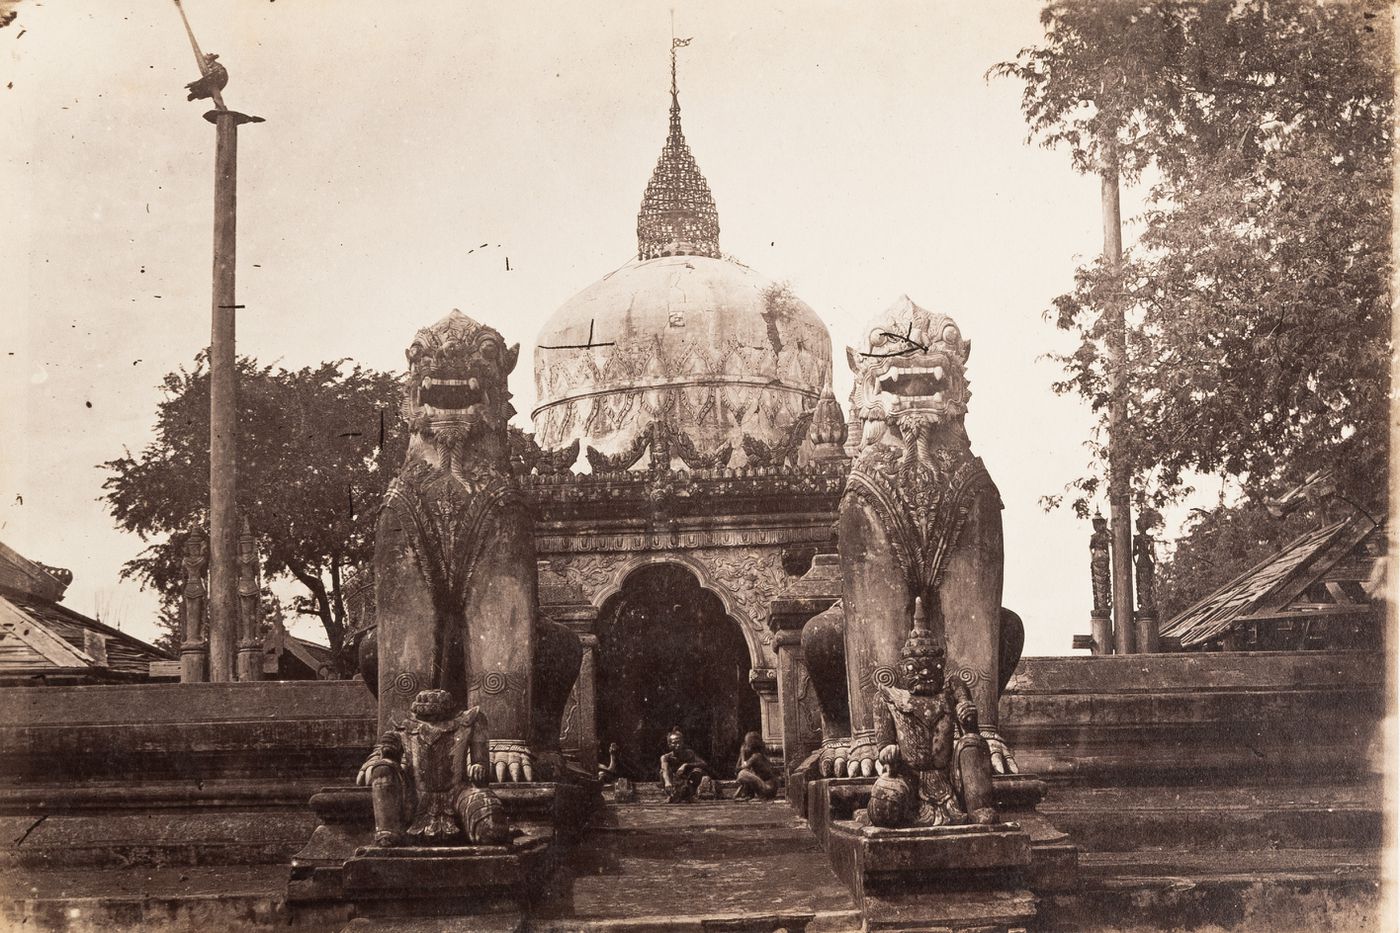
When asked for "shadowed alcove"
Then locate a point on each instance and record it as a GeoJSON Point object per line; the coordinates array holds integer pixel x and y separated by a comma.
{"type": "Point", "coordinates": [669, 655]}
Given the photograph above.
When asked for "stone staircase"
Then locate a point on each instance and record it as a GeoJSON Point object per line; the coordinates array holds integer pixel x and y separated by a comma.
{"type": "Point", "coordinates": [1277, 857]}
{"type": "Point", "coordinates": [708, 865]}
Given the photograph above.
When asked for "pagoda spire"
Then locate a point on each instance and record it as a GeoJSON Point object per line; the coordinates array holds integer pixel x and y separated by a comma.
{"type": "Point", "coordinates": [678, 216]}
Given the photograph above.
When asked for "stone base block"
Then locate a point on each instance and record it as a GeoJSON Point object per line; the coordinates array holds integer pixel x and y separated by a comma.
{"type": "Point", "coordinates": [1054, 858]}
{"type": "Point", "coordinates": [945, 878]}
{"type": "Point", "coordinates": [438, 871]}
{"type": "Point", "coordinates": [951, 878]}
{"type": "Point", "coordinates": [508, 922]}
{"type": "Point", "coordinates": [446, 884]}
{"type": "Point", "coordinates": [339, 863]}
{"type": "Point", "coordinates": [950, 912]}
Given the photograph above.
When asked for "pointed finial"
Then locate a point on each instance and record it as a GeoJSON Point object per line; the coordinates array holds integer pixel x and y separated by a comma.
{"type": "Point", "coordinates": [920, 643]}
{"type": "Point", "coordinates": [827, 430]}
{"type": "Point", "coordinates": [678, 216]}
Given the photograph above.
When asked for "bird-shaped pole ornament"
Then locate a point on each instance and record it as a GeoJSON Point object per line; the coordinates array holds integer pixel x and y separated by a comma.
{"type": "Point", "coordinates": [213, 77]}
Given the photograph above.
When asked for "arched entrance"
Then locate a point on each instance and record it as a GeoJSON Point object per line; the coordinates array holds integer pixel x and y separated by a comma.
{"type": "Point", "coordinates": [669, 655]}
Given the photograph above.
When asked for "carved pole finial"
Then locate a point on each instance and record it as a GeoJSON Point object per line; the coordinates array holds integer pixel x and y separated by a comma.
{"type": "Point", "coordinates": [194, 646]}
{"type": "Point", "coordinates": [250, 648]}
{"type": "Point", "coordinates": [920, 615]}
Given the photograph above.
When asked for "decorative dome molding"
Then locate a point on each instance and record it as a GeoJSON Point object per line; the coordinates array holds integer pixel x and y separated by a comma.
{"type": "Point", "coordinates": [710, 346]}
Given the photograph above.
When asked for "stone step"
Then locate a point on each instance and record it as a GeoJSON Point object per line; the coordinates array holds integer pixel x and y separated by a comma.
{"type": "Point", "coordinates": [227, 898]}
{"type": "Point", "coordinates": [156, 838]}
{"type": "Point", "coordinates": [1298, 816]}
{"type": "Point", "coordinates": [651, 865]}
{"type": "Point", "coordinates": [1166, 889]}
{"type": "Point", "coordinates": [1296, 864]}
{"type": "Point", "coordinates": [1277, 890]}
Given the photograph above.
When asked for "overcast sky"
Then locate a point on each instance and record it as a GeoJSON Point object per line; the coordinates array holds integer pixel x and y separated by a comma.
{"type": "Point", "coordinates": [856, 155]}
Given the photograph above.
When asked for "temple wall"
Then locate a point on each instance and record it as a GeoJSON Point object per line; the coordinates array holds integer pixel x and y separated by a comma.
{"type": "Point", "coordinates": [1167, 718]}
{"type": "Point", "coordinates": [1071, 719]}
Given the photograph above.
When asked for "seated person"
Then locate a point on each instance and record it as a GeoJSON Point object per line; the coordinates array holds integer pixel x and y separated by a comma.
{"type": "Point", "coordinates": [681, 769]}
{"type": "Point", "coordinates": [757, 778]}
{"type": "Point", "coordinates": [615, 767]}
{"type": "Point", "coordinates": [608, 771]}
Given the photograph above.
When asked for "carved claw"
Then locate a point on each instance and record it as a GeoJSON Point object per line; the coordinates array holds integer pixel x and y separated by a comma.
{"type": "Point", "coordinates": [512, 762]}
{"type": "Point", "coordinates": [867, 767]}
{"type": "Point", "coordinates": [366, 772]}
{"type": "Point", "coordinates": [832, 758]}
{"type": "Point", "coordinates": [1003, 762]}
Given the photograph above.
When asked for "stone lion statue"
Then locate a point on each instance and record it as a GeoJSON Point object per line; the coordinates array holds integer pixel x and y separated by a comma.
{"type": "Point", "coordinates": [456, 589]}
{"type": "Point", "coordinates": [920, 518]}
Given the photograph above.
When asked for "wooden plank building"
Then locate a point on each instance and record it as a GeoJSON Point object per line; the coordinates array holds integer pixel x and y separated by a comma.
{"type": "Point", "coordinates": [43, 642]}
{"type": "Point", "coordinates": [1322, 590]}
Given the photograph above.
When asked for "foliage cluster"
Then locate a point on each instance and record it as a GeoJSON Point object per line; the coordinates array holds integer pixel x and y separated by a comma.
{"type": "Point", "coordinates": [1257, 295]}
{"type": "Point", "coordinates": [317, 449]}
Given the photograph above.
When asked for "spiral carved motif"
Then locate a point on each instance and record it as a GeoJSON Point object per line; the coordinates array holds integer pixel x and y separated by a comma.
{"type": "Point", "coordinates": [882, 676]}
{"type": "Point", "coordinates": [495, 683]}
{"type": "Point", "coordinates": [968, 676]}
{"type": "Point", "coordinates": [406, 683]}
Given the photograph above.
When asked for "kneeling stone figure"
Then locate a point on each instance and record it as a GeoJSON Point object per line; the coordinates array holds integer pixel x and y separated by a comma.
{"type": "Point", "coordinates": [930, 777]}
{"type": "Point", "coordinates": [429, 779]}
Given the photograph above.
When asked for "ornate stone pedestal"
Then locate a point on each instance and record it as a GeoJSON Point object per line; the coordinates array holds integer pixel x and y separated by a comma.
{"type": "Point", "coordinates": [952, 878]}
{"type": "Point", "coordinates": [936, 877]}
{"type": "Point", "coordinates": [491, 886]}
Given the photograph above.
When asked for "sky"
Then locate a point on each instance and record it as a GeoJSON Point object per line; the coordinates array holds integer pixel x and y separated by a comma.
{"type": "Point", "coordinates": [856, 153]}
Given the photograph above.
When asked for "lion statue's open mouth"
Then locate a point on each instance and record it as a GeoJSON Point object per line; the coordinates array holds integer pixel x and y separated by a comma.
{"type": "Point", "coordinates": [911, 363]}
{"type": "Point", "coordinates": [457, 378]}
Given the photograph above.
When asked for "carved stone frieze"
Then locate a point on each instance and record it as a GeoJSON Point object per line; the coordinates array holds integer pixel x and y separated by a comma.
{"type": "Point", "coordinates": [745, 578]}
{"type": "Point", "coordinates": [752, 576]}
{"type": "Point", "coordinates": [686, 540]}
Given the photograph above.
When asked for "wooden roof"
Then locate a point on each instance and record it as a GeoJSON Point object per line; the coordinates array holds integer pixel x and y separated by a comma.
{"type": "Point", "coordinates": [1278, 587]}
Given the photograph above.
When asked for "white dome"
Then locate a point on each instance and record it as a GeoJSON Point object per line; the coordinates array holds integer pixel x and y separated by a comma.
{"type": "Point", "coordinates": [709, 345]}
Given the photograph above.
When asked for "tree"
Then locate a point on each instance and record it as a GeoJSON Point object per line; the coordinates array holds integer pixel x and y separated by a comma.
{"type": "Point", "coordinates": [1257, 298]}
{"type": "Point", "coordinates": [317, 449]}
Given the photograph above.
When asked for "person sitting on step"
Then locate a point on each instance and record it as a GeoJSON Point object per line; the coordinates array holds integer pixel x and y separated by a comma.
{"type": "Point", "coordinates": [757, 777]}
{"type": "Point", "coordinates": [681, 769]}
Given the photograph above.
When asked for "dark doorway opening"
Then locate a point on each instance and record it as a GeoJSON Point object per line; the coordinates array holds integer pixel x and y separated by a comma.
{"type": "Point", "coordinates": [669, 656]}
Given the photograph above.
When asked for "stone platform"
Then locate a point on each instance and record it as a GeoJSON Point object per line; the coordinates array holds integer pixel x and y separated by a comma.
{"type": "Point", "coordinates": [1195, 787]}
{"type": "Point", "coordinates": [748, 866]}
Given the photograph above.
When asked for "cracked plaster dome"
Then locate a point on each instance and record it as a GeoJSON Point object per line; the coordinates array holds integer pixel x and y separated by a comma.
{"type": "Point", "coordinates": [679, 335]}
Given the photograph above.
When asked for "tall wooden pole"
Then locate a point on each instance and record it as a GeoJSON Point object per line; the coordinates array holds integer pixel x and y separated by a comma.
{"type": "Point", "coordinates": [223, 369]}
{"type": "Point", "coordinates": [223, 408]}
{"type": "Point", "coordinates": [1120, 519]}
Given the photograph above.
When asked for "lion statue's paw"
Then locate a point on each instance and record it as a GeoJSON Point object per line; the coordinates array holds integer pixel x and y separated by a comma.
{"type": "Point", "coordinates": [512, 762]}
{"type": "Point", "coordinates": [1003, 762]}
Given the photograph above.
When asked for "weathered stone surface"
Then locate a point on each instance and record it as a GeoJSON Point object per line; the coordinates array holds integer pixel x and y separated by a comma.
{"type": "Point", "coordinates": [1185, 718]}
{"type": "Point", "coordinates": [439, 871]}
{"type": "Point", "coordinates": [59, 736]}
{"type": "Point", "coordinates": [504, 922]}
{"type": "Point", "coordinates": [650, 866]}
